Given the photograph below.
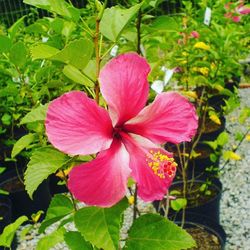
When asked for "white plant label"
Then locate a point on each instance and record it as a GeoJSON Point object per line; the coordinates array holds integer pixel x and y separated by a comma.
{"type": "Point", "coordinates": [168, 75]}
{"type": "Point", "coordinates": [158, 86]}
{"type": "Point", "coordinates": [207, 17]}
{"type": "Point", "coordinates": [114, 50]}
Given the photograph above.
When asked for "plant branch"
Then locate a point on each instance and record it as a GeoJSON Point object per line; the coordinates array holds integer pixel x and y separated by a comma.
{"type": "Point", "coordinates": [138, 28]}
{"type": "Point", "coordinates": [235, 149]}
{"type": "Point", "coordinates": [71, 196]}
{"type": "Point", "coordinates": [98, 59]}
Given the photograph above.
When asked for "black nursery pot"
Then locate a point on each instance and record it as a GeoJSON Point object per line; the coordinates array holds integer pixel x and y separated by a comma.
{"type": "Point", "coordinates": [5, 212]}
{"type": "Point", "coordinates": [212, 130]}
{"type": "Point", "coordinates": [217, 102]}
{"type": "Point", "coordinates": [200, 221]}
{"type": "Point", "coordinates": [209, 209]}
{"type": "Point", "coordinates": [197, 167]}
{"type": "Point", "coordinates": [21, 202]}
{"type": "Point", "coordinates": [54, 187]}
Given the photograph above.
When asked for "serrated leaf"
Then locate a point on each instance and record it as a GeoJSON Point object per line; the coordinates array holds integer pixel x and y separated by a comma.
{"type": "Point", "coordinates": [152, 231]}
{"type": "Point", "coordinates": [75, 241]}
{"type": "Point", "coordinates": [77, 53]}
{"type": "Point", "coordinates": [43, 162]}
{"type": "Point", "coordinates": [9, 231]}
{"type": "Point", "coordinates": [51, 240]}
{"type": "Point", "coordinates": [101, 226]}
{"type": "Point", "coordinates": [5, 44]}
{"type": "Point", "coordinates": [115, 19]}
{"type": "Point", "coordinates": [36, 114]}
{"type": "Point", "coordinates": [59, 207]}
{"type": "Point", "coordinates": [75, 75]}
{"type": "Point", "coordinates": [60, 7]}
{"type": "Point", "coordinates": [18, 54]}
{"type": "Point", "coordinates": [22, 143]}
{"type": "Point", "coordinates": [165, 23]}
{"type": "Point", "coordinates": [43, 51]}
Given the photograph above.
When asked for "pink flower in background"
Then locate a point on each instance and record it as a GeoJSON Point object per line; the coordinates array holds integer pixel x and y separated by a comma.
{"type": "Point", "coordinates": [235, 14]}
{"type": "Point", "coordinates": [195, 34]}
{"type": "Point", "coordinates": [126, 138]}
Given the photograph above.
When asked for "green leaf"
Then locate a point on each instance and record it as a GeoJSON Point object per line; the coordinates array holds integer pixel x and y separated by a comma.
{"type": "Point", "coordinates": [77, 53]}
{"type": "Point", "coordinates": [230, 155]}
{"type": "Point", "coordinates": [22, 143]}
{"type": "Point", "coordinates": [6, 119]}
{"type": "Point", "coordinates": [165, 23]}
{"type": "Point", "coordinates": [43, 162]}
{"type": "Point", "coordinates": [101, 226]}
{"type": "Point", "coordinates": [43, 51]}
{"type": "Point", "coordinates": [60, 7]}
{"type": "Point", "coordinates": [222, 139]}
{"type": "Point", "coordinates": [2, 169]}
{"type": "Point", "coordinates": [9, 231]}
{"type": "Point", "coordinates": [178, 204]}
{"type": "Point", "coordinates": [244, 115]}
{"type": "Point", "coordinates": [5, 44]}
{"type": "Point", "coordinates": [59, 207]}
{"type": "Point", "coordinates": [152, 231]}
{"type": "Point", "coordinates": [51, 240]}
{"type": "Point", "coordinates": [238, 136]}
{"type": "Point", "coordinates": [18, 54]}
{"type": "Point", "coordinates": [75, 241]}
{"type": "Point", "coordinates": [36, 114]}
{"type": "Point", "coordinates": [115, 19]}
{"type": "Point", "coordinates": [25, 231]}
{"type": "Point", "coordinates": [75, 75]}
{"type": "Point", "coordinates": [16, 26]}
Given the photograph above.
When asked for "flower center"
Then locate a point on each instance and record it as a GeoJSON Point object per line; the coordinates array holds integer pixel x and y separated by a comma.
{"type": "Point", "coordinates": [162, 165]}
{"type": "Point", "coordinates": [116, 132]}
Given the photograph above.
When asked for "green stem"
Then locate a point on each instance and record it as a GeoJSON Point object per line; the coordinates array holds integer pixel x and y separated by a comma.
{"type": "Point", "coordinates": [98, 60]}
{"type": "Point", "coordinates": [138, 28]}
{"type": "Point", "coordinates": [71, 195]}
{"type": "Point", "coordinates": [235, 149]}
{"type": "Point", "coordinates": [135, 204]}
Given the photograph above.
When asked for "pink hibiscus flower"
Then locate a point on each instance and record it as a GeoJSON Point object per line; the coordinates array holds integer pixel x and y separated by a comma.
{"type": "Point", "coordinates": [235, 14]}
{"type": "Point", "coordinates": [194, 34]}
{"type": "Point", "coordinates": [125, 138]}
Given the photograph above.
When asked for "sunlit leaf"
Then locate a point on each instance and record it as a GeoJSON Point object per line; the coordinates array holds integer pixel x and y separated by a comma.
{"type": "Point", "coordinates": [43, 162]}
{"type": "Point", "coordinates": [115, 19]}
{"type": "Point", "coordinates": [151, 231]}
{"type": "Point", "coordinates": [75, 241]}
{"type": "Point", "coordinates": [22, 143]}
{"type": "Point", "coordinates": [101, 226]}
{"type": "Point", "coordinates": [49, 241]}
{"type": "Point", "coordinates": [59, 207]}
{"type": "Point", "coordinates": [9, 231]}
{"type": "Point", "coordinates": [36, 114]}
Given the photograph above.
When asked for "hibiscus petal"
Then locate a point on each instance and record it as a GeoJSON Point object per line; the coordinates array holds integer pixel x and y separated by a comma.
{"type": "Point", "coordinates": [103, 181]}
{"type": "Point", "coordinates": [243, 10]}
{"type": "Point", "coordinates": [124, 81]}
{"type": "Point", "coordinates": [236, 19]}
{"type": "Point", "coordinates": [170, 118]}
{"type": "Point", "coordinates": [76, 125]}
{"type": "Point", "coordinates": [152, 167]}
